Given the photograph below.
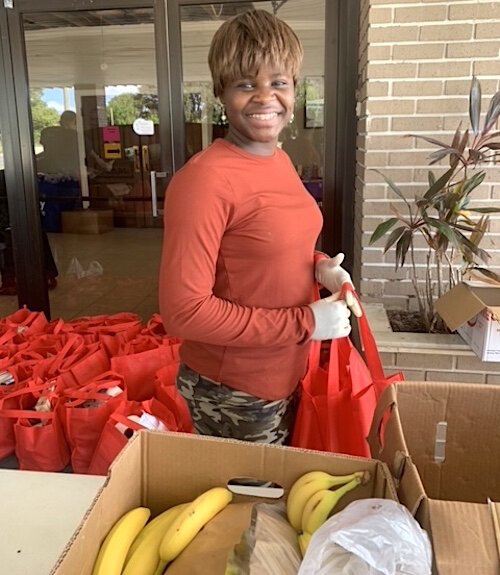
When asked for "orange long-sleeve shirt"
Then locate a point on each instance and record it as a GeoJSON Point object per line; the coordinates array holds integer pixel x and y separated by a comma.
{"type": "Point", "coordinates": [237, 268]}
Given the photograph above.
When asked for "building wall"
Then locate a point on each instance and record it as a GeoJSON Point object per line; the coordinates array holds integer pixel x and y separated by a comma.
{"type": "Point", "coordinates": [416, 62]}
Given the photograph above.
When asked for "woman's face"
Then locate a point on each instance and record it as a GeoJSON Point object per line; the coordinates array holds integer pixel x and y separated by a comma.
{"type": "Point", "coordinates": [258, 108]}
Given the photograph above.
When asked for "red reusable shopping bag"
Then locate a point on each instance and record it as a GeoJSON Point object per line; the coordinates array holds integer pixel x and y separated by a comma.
{"type": "Point", "coordinates": [75, 363]}
{"type": "Point", "coordinates": [115, 435]}
{"type": "Point", "coordinates": [338, 399]}
{"type": "Point", "coordinates": [84, 412]}
{"type": "Point", "coordinates": [15, 375]}
{"type": "Point", "coordinates": [139, 369]}
{"type": "Point", "coordinates": [119, 428]}
{"type": "Point", "coordinates": [24, 321]}
{"type": "Point", "coordinates": [166, 392]}
{"type": "Point", "coordinates": [40, 444]}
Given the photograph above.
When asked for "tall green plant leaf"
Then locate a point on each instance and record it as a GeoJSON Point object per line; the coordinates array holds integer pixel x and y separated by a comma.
{"type": "Point", "coordinates": [475, 105]}
{"type": "Point", "coordinates": [402, 248]}
{"type": "Point", "coordinates": [488, 273]}
{"type": "Point", "coordinates": [455, 144]}
{"type": "Point", "coordinates": [382, 229]}
{"type": "Point", "coordinates": [438, 155]}
{"type": "Point", "coordinates": [485, 210]}
{"type": "Point", "coordinates": [473, 182]}
{"type": "Point", "coordinates": [479, 252]}
{"type": "Point", "coordinates": [393, 187]}
{"type": "Point", "coordinates": [394, 237]}
{"type": "Point", "coordinates": [481, 227]}
{"type": "Point", "coordinates": [492, 113]}
{"type": "Point", "coordinates": [439, 184]}
{"type": "Point", "coordinates": [445, 229]}
{"type": "Point", "coordinates": [432, 141]}
{"type": "Point", "coordinates": [461, 147]}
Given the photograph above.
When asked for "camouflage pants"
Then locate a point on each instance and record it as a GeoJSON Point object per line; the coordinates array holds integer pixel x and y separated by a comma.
{"type": "Point", "coordinates": [220, 411]}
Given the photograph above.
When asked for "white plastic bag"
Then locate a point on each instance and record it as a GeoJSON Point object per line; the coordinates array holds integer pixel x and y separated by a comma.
{"type": "Point", "coordinates": [75, 268]}
{"type": "Point", "coordinates": [369, 537]}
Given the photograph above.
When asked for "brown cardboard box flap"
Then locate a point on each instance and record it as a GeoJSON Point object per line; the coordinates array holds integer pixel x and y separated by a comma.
{"type": "Point", "coordinates": [387, 443]}
{"type": "Point", "coordinates": [440, 442]}
{"type": "Point", "coordinates": [464, 301]}
{"type": "Point", "coordinates": [450, 431]}
{"type": "Point", "coordinates": [463, 538]}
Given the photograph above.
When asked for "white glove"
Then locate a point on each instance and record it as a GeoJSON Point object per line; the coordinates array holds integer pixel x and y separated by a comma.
{"type": "Point", "coordinates": [331, 275]}
{"type": "Point", "coordinates": [331, 318]}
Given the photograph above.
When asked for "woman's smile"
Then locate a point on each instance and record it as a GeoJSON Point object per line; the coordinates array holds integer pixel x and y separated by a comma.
{"type": "Point", "coordinates": [258, 108]}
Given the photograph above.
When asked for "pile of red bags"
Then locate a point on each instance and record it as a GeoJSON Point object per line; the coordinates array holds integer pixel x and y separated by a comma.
{"type": "Point", "coordinates": [72, 393]}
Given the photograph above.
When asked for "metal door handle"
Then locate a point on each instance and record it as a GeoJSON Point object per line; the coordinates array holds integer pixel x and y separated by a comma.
{"type": "Point", "coordinates": [145, 157]}
{"type": "Point", "coordinates": [154, 196]}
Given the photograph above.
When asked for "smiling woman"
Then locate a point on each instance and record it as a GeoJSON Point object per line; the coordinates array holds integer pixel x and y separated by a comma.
{"type": "Point", "coordinates": [238, 264]}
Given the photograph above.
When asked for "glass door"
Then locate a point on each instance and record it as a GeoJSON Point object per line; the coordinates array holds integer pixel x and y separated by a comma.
{"type": "Point", "coordinates": [101, 110]}
{"type": "Point", "coordinates": [102, 157]}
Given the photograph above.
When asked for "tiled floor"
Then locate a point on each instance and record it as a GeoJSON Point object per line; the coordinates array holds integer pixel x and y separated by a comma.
{"type": "Point", "coordinates": [103, 274]}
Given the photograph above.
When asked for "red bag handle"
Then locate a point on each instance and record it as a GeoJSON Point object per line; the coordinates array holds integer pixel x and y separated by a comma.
{"type": "Point", "coordinates": [370, 350]}
{"type": "Point", "coordinates": [29, 413]}
{"type": "Point", "coordinates": [73, 344]}
{"type": "Point", "coordinates": [31, 389]}
{"type": "Point", "coordinates": [77, 399]}
{"type": "Point", "coordinates": [92, 389]}
{"type": "Point", "coordinates": [26, 414]}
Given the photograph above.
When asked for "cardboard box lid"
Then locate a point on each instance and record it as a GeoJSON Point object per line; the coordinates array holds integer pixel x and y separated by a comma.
{"type": "Point", "coordinates": [40, 513]}
{"type": "Point", "coordinates": [465, 301]}
{"type": "Point", "coordinates": [462, 536]}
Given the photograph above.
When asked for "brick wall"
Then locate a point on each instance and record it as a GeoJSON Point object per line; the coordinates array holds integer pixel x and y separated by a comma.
{"type": "Point", "coordinates": [416, 62]}
{"type": "Point", "coordinates": [422, 365]}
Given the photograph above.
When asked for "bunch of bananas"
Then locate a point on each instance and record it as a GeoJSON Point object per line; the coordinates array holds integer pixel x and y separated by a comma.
{"type": "Point", "coordinates": [311, 500]}
{"type": "Point", "coordinates": [135, 547]}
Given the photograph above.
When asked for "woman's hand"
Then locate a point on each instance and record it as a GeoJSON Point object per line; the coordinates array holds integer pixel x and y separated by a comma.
{"type": "Point", "coordinates": [331, 275]}
{"type": "Point", "coordinates": [331, 318]}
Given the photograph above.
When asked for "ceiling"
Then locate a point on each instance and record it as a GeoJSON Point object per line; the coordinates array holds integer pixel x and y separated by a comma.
{"type": "Point", "coordinates": [117, 47]}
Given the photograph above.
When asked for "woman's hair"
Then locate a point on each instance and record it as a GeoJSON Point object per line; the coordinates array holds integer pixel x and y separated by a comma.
{"type": "Point", "coordinates": [246, 42]}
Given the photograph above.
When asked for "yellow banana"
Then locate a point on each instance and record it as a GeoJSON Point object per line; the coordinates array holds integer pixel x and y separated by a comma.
{"type": "Point", "coordinates": [304, 539]}
{"type": "Point", "coordinates": [322, 503]}
{"type": "Point", "coordinates": [199, 512]}
{"type": "Point", "coordinates": [160, 568]}
{"type": "Point", "coordinates": [144, 554]}
{"type": "Point", "coordinates": [306, 486]}
{"type": "Point", "coordinates": [115, 546]}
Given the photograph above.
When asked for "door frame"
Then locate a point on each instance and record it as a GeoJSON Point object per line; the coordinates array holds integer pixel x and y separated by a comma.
{"type": "Point", "coordinates": [17, 134]}
{"type": "Point", "coordinates": [341, 79]}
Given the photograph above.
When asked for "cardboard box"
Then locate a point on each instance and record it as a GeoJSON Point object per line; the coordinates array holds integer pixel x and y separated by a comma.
{"type": "Point", "coordinates": [40, 513]}
{"type": "Point", "coordinates": [472, 309]}
{"type": "Point", "coordinates": [441, 442]}
{"type": "Point", "coordinates": [87, 221]}
{"type": "Point", "coordinates": [159, 470]}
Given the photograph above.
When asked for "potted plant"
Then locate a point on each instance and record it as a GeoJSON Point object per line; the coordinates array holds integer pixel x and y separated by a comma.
{"type": "Point", "coordinates": [443, 216]}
